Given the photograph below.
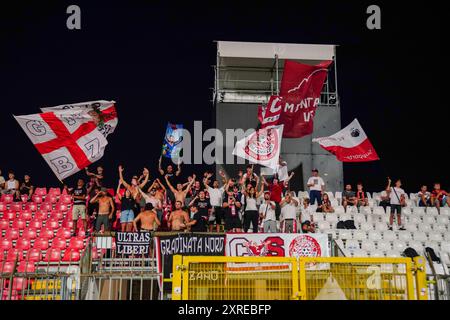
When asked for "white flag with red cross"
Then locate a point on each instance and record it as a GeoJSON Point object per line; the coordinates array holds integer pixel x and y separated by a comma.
{"type": "Point", "coordinates": [69, 140]}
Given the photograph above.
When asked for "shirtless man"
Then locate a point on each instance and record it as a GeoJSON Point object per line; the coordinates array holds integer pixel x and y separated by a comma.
{"type": "Point", "coordinates": [160, 190]}
{"type": "Point", "coordinates": [105, 210]}
{"type": "Point", "coordinates": [133, 188]}
{"type": "Point", "coordinates": [179, 192]}
{"type": "Point", "coordinates": [148, 219]}
{"type": "Point", "coordinates": [178, 218]}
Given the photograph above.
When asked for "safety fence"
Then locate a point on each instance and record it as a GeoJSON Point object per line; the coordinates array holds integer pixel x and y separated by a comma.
{"type": "Point", "coordinates": [276, 278]}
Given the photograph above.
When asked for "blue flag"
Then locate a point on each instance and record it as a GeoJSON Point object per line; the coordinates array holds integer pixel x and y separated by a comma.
{"type": "Point", "coordinates": [172, 141]}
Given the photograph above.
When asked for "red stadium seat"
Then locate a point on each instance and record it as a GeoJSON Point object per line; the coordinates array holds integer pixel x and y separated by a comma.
{"type": "Point", "coordinates": [16, 206]}
{"type": "Point", "coordinates": [26, 215]}
{"type": "Point", "coordinates": [94, 253]}
{"type": "Point", "coordinates": [34, 255]}
{"type": "Point", "coordinates": [14, 254]}
{"type": "Point", "coordinates": [24, 198]}
{"type": "Point", "coordinates": [76, 243]}
{"type": "Point", "coordinates": [52, 224]}
{"type": "Point", "coordinates": [35, 224]}
{"type": "Point", "coordinates": [23, 244]}
{"type": "Point", "coordinates": [40, 243]}
{"type": "Point", "coordinates": [50, 199]}
{"type": "Point", "coordinates": [41, 215]}
{"type": "Point", "coordinates": [7, 198]}
{"type": "Point", "coordinates": [4, 224]}
{"type": "Point", "coordinates": [59, 243]}
{"type": "Point", "coordinates": [64, 233]}
{"type": "Point", "coordinates": [53, 255]}
{"type": "Point", "coordinates": [31, 206]}
{"type": "Point", "coordinates": [56, 215]}
{"type": "Point", "coordinates": [19, 224]}
{"type": "Point", "coordinates": [6, 267]}
{"type": "Point", "coordinates": [46, 233]}
{"type": "Point", "coordinates": [67, 224]}
{"type": "Point", "coordinates": [65, 199]}
{"type": "Point", "coordinates": [2, 207]}
{"type": "Point", "coordinates": [26, 267]}
{"type": "Point", "coordinates": [71, 255]}
{"type": "Point", "coordinates": [12, 234]}
{"type": "Point", "coordinates": [54, 191]}
{"type": "Point", "coordinates": [5, 244]}
{"type": "Point", "coordinates": [9, 214]}
{"type": "Point", "coordinates": [40, 192]}
{"type": "Point", "coordinates": [36, 198]}
{"type": "Point", "coordinates": [29, 233]}
{"type": "Point", "coordinates": [81, 233]}
{"type": "Point", "coordinates": [62, 207]}
{"type": "Point", "coordinates": [46, 206]}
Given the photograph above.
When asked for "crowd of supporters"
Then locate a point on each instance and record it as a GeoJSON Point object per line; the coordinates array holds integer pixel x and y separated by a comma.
{"type": "Point", "coordinates": [167, 202]}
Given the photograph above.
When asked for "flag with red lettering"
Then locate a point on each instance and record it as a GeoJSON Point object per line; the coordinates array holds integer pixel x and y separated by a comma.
{"type": "Point", "coordinates": [299, 97]}
{"type": "Point", "coordinates": [102, 109]}
{"type": "Point", "coordinates": [261, 147]}
{"type": "Point", "coordinates": [69, 140]}
{"type": "Point", "coordinates": [350, 144]}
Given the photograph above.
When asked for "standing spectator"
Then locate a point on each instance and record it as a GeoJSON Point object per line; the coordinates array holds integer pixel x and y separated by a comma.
{"type": "Point", "coordinates": [424, 197]}
{"type": "Point", "coordinates": [348, 197]}
{"type": "Point", "coordinates": [151, 198]}
{"type": "Point", "coordinates": [105, 210]}
{"type": "Point", "coordinates": [127, 208]}
{"type": "Point", "coordinates": [178, 218]}
{"type": "Point", "coordinates": [180, 193]}
{"type": "Point", "coordinates": [135, 186]}
{"type": "Point", "coordinates": [397, 195]}
{"type": "Point", "coordinates": [231, 213]}
{"type": "Point", "coordinates": [267, 214]}
{"type": "Point", "coordinates": [27, 187]}
{"type": "Point", "coordinates": [326, 205]}
{"type": "Point", "coordinates": [288, 215]}
{"type": "Point", "coordinates": [199, 220]}
{"type": "Point", "coordinates": [385, 199]}
{"type": "Point", "coordinates": [276, 191]}
{"type": "Point", "coordinates": [316, 187]}
{"type": "Point", "coordinates": [79, 195]}
{"type": "Point", "coordinates": [361, 198]}
{"type": "Point", "coordinates": [171, 176]}
{"type": "Point", "coordinates": [99, 175]}
{"type": "Point", "coordinates": [249, 177]}
{"type": "Point", "coordinates": [250, 208]}
{"type": "Point", "coordinates": [215, 197]}
{"type": "Point", "coordinates": [147, 218]}
{"type": "Point", "coordinates": [439, 197]}
{"type": "Point", "coordinates": [2, 182]}
{"type": "Point", "coordinates": [12, 186]}
{"type": "Point", "coordinates": [203, 205]}
{"type": "Point", "coordinates": [306, 218]}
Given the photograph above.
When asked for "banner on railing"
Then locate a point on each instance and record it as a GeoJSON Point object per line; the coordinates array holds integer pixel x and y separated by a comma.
{"type": "Point", "coordinates": [133, 243]}
{"type": "Point", "coordinates": [192, 244]}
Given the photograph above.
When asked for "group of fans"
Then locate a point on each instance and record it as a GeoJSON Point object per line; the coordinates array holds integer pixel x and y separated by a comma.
{"type": "Point", "coordinates": [167, 203]}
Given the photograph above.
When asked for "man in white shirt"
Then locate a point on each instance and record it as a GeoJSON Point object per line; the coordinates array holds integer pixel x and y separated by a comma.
{"type": "Point", "coordinates": [316, 187]}
{"type": "Point", "coordinates": [288, 215]}
{"type": "Point", "coordinates": [215, 199]}
{"type": "Point", "coordinates": [267, 214]}
{"type": "Point", "coordinates": [397, 198]}
{"type": "Point", "coordinates": [306, 218]}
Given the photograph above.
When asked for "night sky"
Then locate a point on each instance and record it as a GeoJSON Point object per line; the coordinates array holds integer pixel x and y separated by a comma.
{"type": "Point", "coordinates": [155, 59]}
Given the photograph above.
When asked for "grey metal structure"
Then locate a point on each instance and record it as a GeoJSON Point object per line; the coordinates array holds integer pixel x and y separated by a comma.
{"type": "Point", "coordinates": [247, 74]}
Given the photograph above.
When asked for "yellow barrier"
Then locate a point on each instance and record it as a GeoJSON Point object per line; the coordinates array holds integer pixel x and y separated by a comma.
{"type": "Point", "coordinates": [276, 278]}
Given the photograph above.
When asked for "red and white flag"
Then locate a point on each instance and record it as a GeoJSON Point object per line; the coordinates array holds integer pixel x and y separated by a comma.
{"type": "Point", "coordinates": [350, 144]}
{"type": "Point", "coordinates": [105, 108]}
{"type": "Point", "coordinates": [299, 97]}
{"type": "Point", "coordinates": [261, 147]}
{"type": "Point", "coordinates": [69, 140]}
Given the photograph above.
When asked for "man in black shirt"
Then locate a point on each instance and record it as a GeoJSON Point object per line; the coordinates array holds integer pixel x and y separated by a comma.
{"type": "Point", "coordinates": [199, 220]}
{"type": "Point", "coordinates": [171, 176]}
{"type": "Point", "coordinates": [26, 188]}
{"type": "Point", "coordinates": [203, 205]}
{"type": "Point", "coordinates": [79, 205]}
{"type": "Point", "coordinates": [348, 197]}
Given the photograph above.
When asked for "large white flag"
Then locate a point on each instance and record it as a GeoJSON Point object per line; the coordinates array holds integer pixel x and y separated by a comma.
{"type": "Point", "coordinates": [105, 108]}
{"type": "Point", "coordinates": [261, 147]}
{"type": "Point", "coordinates": [69, 140]}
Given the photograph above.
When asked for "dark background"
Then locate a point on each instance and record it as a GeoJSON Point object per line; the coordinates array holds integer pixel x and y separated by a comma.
{"type": "Point", "coordinates": [155, 58]}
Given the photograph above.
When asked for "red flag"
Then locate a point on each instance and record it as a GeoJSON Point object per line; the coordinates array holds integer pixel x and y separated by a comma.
{"type": "Point", "coordinates": [350, 144]}
{"type": "Point", "coordinates": [301, 86]}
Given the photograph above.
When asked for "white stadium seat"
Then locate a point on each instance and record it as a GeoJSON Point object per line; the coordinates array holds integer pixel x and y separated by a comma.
{"type": "Point", "coordinates": [381, 226]}
{"type": "Point", "coordinates": [435, 236]}
{"type": "Point", "coordinates": [444, 220]}
{"type": "Point", "coordinates": [433, 245]}
{"type": "Point", "coordinates": [368, 245]}
{"type": "Point", "coordinates": [404, 236]}
{"type": "Point", "coordinates": [393, 254]}
{"type": "Point", "coordinates": [374, 235]}
{"type": "Point", "coordinates": [372, 203]}
{"type": "Point", "coordinates": [339, 209]}
{"type": "Point", "coordinates": [359, 235]}
{"type": "Point", "coordinates": [344, 234]}
{"type": "Point", "coordinates": [384, 245]}
{"type": "Point", "coordinates": [419, 211]}
{"type": "Point", "coordinates": [345, 216]}
{"type": "Point", "coordinates": [352, 244]}
{"type": "Point", "coordinates": [313, 207]}
{"type": "Point", "coordinates": [330, 195]}
{"type": "Point", "coordinates": [440, 228]}
{"type": "Point", "coordinates": [413, 219]}
{"type": "Point", "coordinates": [331, 217]}
{"type": "Point", "coordinates": [378, 210]}
{"type": "Point", "coordinates": [447, 236]}
{"type": "Point", "coordinates": [432, 211]}
{"type": "Point", "coordinates": [428, 219]}
{"type": "Point", "coordinates": [406, 211]}
{"type": "Point", "coordinates": [420, 236]}
{"type": "Point", "coordinates": [445, 246]}
{"type": "Point", "coordinates": [424, 227]}
{"type": "Point", "coordinates": [389, 235]}
{"type": "Point", "coordinates": [324, 225]}
{"type": "Point", "coordinates": [360, 253]}
{"type": "Point", "coordinates": [359, 218]}
{"type": "Point", "coordinates": [411, 227]}
{"type": "Point", "coordinates": [366, 226]}
{"type": "Point", "coordinates": [365, 210]}
{"type": "Point", "coordinates": [338, 195]}
{"type": "Point", "coordinates": [399, 245]}
{"type": "Point", "coordinates": [377, 254]}
{"type": "Point", "coordinates": [352, 209]}
{"type": "Point", "coordinates": [445, 257]}
{"type": "Point", "coordinates": [318, 216]}
{"type": "Point", "coordinates": [334, 203]}
{"type": "Point", "coordinates": [416, 245]}
{"type": "Point", "coordinates": [445, 212]}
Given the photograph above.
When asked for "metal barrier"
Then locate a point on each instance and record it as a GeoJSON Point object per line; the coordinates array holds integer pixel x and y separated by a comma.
{"type": "Point", "coordinates": [258, 278]}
